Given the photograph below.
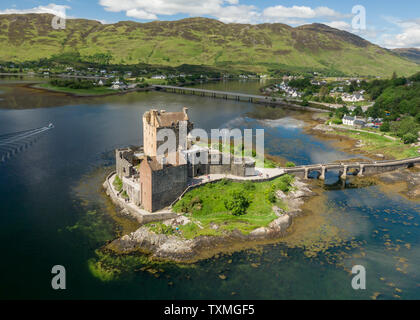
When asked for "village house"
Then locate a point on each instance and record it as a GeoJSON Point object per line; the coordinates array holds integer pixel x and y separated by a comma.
{"type": "Point", "coordinates": [354, 121]}
{"type": "Point", "coordinates": [118, 85]}
{"type": "Point", "coordinates": [159, 77]}
{"type": "Point", "coordinates": [355, 97]}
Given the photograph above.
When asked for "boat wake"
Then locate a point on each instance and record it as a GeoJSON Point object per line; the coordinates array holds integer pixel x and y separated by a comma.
{"type": "Point", "coordinates": [14, 143]}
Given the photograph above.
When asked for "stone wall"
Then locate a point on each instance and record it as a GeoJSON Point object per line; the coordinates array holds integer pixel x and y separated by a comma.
{"type": "Point", "coordinates": [167, 185]}
{"type": "Point", "coordinates": [123, 166]}
{"type": "Point", "coordinates": [371, 170]}
{"type": "Point", "coordinates": [133, 189]}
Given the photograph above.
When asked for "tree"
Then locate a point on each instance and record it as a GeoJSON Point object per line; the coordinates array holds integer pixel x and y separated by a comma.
{"type": "Point", "coordinates": [323, 92]}
{"type": "Point", "coordinates": [385, 127]}
{"type": "Point", "coordinates": [409, 138]}
{"type": "Point", "coordinates": [406, 126]}
{"type": "Point", "coordinates": [394, 75]}
{"type": "Point", "coordinates": [237, 204]}
{"type": "Point", "coordinates": [358, 111]}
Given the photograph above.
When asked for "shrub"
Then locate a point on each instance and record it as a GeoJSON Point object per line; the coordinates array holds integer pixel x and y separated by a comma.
{"type": "Point", "coordinates": [409, 138]}
{"type": "Point", "coordinates": [249, 186]}
{"type": "Point", "coordinates": [385, 127]}
{"type": "Point", "coordinates": [406, 126]}
{"type": "Point", "coordinates": [290, 164]}
{"type": "Point", "coordinates": [270, 195]}
{"type": "Point", "coordinates": [237, 204]}
{"type": "Point", "coordinates": [188, 204]}
{"type": "Point", "coordinates": [224, 182]}
{"type": "Point", "coordinates": [118, 185]}
{"type": "Point", "coordinates": [160, 228]}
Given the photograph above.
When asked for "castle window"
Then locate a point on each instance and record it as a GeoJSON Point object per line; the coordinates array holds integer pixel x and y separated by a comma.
{"type": "Point", "coordinates": [198, 154]}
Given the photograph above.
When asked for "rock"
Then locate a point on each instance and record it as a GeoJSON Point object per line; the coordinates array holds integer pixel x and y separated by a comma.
{"type": "Point", "coordinates": [281, 224]}
{"type": "Point", "coordinates": [379, 155]}
{"type": "Point", "coordinates": [178, 221]}
{"type": "Point", "coordinates": [280, 195]}
{"type": "Point", "coordinates": [260, 232]}
{"type": "Point", "coordinates": [323, 127]}
{"type": "Point", "coordinates": [278, 211]}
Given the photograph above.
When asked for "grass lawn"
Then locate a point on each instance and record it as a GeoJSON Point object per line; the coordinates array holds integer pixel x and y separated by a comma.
{"type": "Point", "coordinates": [377, 144]}
{"type": "Point", "coordinates": [205, 206]}
{"type": "Point", "coordinates": [156, 81]}
{"type": "Point", "coordinates": [92, 91]}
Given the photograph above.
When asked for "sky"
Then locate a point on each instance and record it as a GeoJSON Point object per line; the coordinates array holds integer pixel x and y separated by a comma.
{"type": "Point", "coordinates": [391, 24]}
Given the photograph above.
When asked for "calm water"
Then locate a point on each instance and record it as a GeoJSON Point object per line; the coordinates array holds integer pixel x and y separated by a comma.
{"type": "Point", "coordinates": [52, 211]}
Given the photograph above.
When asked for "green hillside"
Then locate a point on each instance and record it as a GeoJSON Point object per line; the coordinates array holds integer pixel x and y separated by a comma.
{"type": "Point", "coordinates": [200, 41]}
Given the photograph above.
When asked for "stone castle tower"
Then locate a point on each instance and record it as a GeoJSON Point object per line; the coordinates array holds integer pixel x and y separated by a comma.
{"type": "Point", "coordinates": [155, 120]}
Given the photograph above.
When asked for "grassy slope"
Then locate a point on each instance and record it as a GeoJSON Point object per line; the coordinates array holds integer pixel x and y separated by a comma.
{"type": "Point", "coordinates": [213, 210]}
{"type": "Point", "coordinates": [201, 41]}
{"type": "Point", "coordinates": [376, 144]}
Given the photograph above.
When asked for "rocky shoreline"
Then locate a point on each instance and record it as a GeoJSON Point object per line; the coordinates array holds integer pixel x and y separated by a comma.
{"type": "Point", "coordinates": [178, 249]}
{"type": "Point", "coordinates": [410, 180]}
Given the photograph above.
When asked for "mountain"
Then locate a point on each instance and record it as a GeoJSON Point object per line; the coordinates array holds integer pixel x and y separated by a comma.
{"type": "Point", "coordinates": [412, 54]}
{"type": "Point", "coordinates": [201, 41]}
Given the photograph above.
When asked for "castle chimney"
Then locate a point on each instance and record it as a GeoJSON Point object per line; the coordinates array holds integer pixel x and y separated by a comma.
{"type": "Point", "coordinates": [185, 110]}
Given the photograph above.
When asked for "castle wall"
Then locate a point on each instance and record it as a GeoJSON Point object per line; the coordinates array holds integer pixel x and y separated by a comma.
{"type": "Point", "coordinates": [123, 166]}
{"type": "Point", "coordinates": [238, 169]}
{"type": "Point", "coordinates": [146, 186]}
{"type": "Point", "coordinates": [133, 189]}
{"type": "Point", "coordinates": [149, 135]}
{"type": "Point", "coordinates": [168, 184]}
{"type": "Point", "coordinates": [198, 170]}
{"type": "Point", "coordinates": [219, 168]}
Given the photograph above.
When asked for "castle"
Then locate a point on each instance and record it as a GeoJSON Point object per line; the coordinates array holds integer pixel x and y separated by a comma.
{"type": "Point", "coordinates": [151, 181]}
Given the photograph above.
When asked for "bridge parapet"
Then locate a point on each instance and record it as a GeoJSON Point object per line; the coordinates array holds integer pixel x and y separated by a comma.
{"type": "Point", "coordinates": [367, 167]}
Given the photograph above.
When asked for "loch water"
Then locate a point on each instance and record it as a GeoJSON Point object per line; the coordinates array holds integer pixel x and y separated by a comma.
{"type": "Point", "coordinates": [53, 211]}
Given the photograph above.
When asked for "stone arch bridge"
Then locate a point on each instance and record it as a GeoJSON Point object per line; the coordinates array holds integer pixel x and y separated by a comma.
{"type": "Point", "coordinates": [357, 168]}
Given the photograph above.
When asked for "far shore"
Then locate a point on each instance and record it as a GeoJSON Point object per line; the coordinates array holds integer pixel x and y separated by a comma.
{"type": "Point", "coordinates": [89, 92]}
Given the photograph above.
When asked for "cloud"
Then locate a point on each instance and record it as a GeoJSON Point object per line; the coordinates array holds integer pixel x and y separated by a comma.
{"type": "Point", "coordinates": [141, 14]}
{"type": "Point", "coordinates": [408, 37]}
{"type": "Point", "coordinates": [281, 13]}
{"type": "Point", "coordinates": [228, 11]}
{"type": "Point", "coordinates": [52, 8]}
{"type": "Point", "coordinates": [149, 10]}
{"type": "Point", "coordinates": [239, 14]}
{"type": "Point", "coordinates": [341, 25]}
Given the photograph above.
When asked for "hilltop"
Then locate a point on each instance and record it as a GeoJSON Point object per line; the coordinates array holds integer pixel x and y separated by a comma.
{"type": "Point", "coordinates": [202, 41]}
{"type": "Point", "coordinates": [409, 53]}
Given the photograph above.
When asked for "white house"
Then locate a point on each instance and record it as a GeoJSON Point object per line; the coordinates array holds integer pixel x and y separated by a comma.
{"type": "Point", "coordinates": [117, 85]}
{"type": "Point", "coordinates": [159, 77]}
{"type": "Point", "coordinates": [356, 97]}
{"type": "Point", "coordinates": [353, 121]}
{"type": "Point", "coordinates": [348, 121]}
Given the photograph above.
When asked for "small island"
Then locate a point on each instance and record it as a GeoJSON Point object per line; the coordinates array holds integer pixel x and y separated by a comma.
{"type": "Point", "coordinates": [191, 210]}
